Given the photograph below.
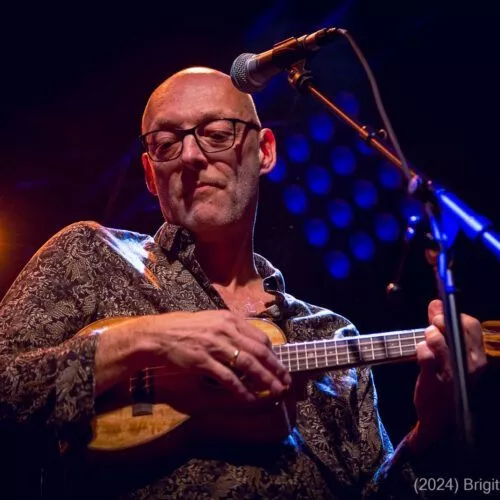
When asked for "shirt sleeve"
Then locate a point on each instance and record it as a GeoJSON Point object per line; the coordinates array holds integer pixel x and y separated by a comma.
{"type": "Point", "coordinates": [46, 372]}
{"type": "Point", "coordinates": [383, 472]}
{"type": "Point", "coordinates": [341, 415]}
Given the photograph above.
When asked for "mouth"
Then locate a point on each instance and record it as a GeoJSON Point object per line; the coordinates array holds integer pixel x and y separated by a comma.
{"type": "Point", "coordinates": [203, 186]}
{"type": "Point", "coordinates": [200, 188]}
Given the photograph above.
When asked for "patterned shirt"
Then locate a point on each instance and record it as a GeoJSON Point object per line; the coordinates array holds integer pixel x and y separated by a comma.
{"type": "Point", "coordinates": [337, 449]}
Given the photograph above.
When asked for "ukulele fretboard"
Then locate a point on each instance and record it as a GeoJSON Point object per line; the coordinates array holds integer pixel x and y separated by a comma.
{"type": "Point", "coordinates": [349, 351]}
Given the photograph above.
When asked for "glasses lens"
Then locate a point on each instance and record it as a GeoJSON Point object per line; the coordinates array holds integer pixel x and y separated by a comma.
{"type": "Point", "coordinates": [216, 135]}
{"type": "Point", "coordinates": [163, 145]}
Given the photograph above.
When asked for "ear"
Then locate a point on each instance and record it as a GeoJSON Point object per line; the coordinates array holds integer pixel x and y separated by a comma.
{"type": "Point", "coordinates": [267, 151]}
{"type": "Point", "coordinates": [149, 174]}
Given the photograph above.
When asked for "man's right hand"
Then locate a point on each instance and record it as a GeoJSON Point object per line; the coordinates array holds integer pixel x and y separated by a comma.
{"type": "Point", "coordinates": [216, 344]}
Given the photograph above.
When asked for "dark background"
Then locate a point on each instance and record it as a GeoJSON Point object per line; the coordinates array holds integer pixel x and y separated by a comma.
{"type": "Point", "coordinates": [75, 79]}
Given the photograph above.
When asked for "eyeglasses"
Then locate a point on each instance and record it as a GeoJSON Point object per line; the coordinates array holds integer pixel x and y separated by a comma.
{"type": "Point", "coordinates": [211, 136]}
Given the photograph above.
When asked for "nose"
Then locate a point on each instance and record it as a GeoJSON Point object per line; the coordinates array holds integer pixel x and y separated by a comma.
{"type": "Point", "coordinates": [192, 155]}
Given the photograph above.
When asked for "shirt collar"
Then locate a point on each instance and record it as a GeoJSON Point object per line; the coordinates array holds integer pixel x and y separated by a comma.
{"type": "Point", "coordinates": [175, 239]}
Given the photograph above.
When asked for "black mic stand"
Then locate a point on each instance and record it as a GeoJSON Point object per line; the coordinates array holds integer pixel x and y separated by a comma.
{"type": "Point", "coordinates": [434, 198]}
{"type": "Point", "coordinates": [394, 288]}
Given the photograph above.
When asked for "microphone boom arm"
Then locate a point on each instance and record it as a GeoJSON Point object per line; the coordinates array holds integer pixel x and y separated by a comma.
{"type": "Point", "coordinates": [442, 208]}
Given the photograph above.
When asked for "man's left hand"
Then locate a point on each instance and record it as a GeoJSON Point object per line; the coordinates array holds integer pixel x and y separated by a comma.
{"type": "Point", "coordinates": [433, 396]}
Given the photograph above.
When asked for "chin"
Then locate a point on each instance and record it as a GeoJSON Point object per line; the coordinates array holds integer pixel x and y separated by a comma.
{"type": "Point", "coordinates": [201, 223]}
{"type": "Point", "coordinates": [204, 218]}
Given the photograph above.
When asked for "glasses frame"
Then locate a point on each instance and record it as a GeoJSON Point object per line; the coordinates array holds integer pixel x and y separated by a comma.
{"type": "Point", "coordinates": [192, 131]}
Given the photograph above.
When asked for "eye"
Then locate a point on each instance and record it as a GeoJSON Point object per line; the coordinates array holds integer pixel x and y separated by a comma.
{"type": "Point", "coordinates": [163, 142]}
{"type": "Point", "coordinates": [219, 131]}
{"type": "Point", "coordinates": [164, 145]}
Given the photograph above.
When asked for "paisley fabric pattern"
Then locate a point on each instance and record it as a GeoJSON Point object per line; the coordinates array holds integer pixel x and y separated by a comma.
{"type": "Point", "coordinates": [338, 448]}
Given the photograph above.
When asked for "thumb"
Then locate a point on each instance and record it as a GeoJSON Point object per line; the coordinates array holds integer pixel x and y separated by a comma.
{"type": "Point", "coordinates": [434, 309]}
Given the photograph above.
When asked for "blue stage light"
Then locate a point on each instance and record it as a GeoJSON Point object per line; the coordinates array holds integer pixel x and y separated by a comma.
{"type": "Point", "coordinates": [338, 264]}
{"type": "Point", "coordinates": [295, 199]}
{"type": "Point", "coordinates": [317, 232]}
{"type": "Point", "coordinates": [321, 127]}
{"type": "Point", "coordinates": [297, 147]}
{"type": "Point", "coordinates": [278, 173]}
{"type": "Point", "coordinates": [390, 176]}
{"type": "Point", "coordinates": [386, 227]}
{"type": "Point", "coordinates": [365, 194]}
{"type": "Point", "coordinates": [362, 246]}
{"type": "Point", "coordinates": [319, 180]}
{"type": "Point", "coordinates": [343, 160]}
{"type": "Point", "coordinates": [340, 213]}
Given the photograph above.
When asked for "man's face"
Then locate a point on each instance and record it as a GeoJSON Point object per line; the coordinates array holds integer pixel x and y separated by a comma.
{"type": "Point", "coordinates": [206, 191]}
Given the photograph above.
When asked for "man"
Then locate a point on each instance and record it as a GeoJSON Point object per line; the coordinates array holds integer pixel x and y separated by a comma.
{"type": "Point", "coordinates": [187, 293]}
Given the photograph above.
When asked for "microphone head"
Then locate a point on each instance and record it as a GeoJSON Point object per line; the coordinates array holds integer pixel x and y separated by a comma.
{"type": "Point", "coordinates": [240, 75]}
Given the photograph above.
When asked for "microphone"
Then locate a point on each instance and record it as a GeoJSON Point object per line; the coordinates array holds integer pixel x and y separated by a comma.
{"type": "Point", "coordinates": [252, 72]}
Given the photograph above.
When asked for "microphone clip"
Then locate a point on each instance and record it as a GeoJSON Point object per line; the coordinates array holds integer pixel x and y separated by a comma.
{"type": "Point", "coordinates": [299, 77]}
{"type": "Point", "coordinates": [287, 52]}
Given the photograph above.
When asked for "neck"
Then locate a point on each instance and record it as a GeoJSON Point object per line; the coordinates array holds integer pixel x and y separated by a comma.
{"type": "Point", "coordinates": [228, 260]}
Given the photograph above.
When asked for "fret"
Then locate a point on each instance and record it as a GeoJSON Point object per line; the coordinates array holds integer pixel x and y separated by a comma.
{"type": "Point", "coordinates": [280, 356]}
{"type": "Point", "coordinates": [360, 352]}
{"type": "Point", "coordinates": [394, 345]}
{"type": "Point", "coordinates": [349, 350]}
{"type": "Point", "coordinates": [304, 356]}
{"type": "Point", "coordinates": [285, 353]}
{"type": "Point", "coordinates": [385, 347]}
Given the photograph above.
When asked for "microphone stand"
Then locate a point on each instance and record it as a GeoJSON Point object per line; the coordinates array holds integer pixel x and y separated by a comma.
{"type": "Point", "coordinates": [446, 215]}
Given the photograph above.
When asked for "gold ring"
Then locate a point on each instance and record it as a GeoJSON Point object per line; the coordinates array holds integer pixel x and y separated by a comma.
{"type": "Point", "coordinates": [232, 361]}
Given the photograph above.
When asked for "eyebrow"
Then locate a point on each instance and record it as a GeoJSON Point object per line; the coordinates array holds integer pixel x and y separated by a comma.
{"type": "Point", "coordinates": [165, 123]}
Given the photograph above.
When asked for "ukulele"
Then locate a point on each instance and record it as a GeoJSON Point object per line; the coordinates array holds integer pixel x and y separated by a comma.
{"type": "Point", "coordinates": [140, 423]}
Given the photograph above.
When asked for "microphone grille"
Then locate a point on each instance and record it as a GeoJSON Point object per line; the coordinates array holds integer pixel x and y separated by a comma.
{"type": "Point", "coordinates": [240, 74]}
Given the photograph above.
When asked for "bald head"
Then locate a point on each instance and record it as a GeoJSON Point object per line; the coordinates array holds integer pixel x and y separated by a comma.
{"type": "Point", "coordinates": [177, 88]}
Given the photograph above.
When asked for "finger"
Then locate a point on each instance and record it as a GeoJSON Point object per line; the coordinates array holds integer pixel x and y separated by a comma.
{"type": "Point", "coordinates": [439, 323]}
{"type": "Point", "coordinates": [426, 360]}
{"type": "Point", "coordinates": [253, 343]}
{"type": "Point", "coordinates": [437, 345]}
{"type": "Point", "coordinates": [473, 338]}
{"type": "Point", "coordinates": [256, 360]}
{"type": "Point", "coordinates": [255, 333]}
{"type": "Point", "coordinates": [231, 324]}
{"type": "Point", "coordinates": [254, 364]}
{"type": "Point", "coordinates": [259, 369]}
{"type": "Point", "coordinates": [434, 308]}
{"type": "Point", "coordinates": [227, 379]}
{"type": "Point", "coordinates": [473, 330]}
{"type": "Point", "coordinates": [431, 397]}
{"type": "Point", "coordinates": [473, 334]}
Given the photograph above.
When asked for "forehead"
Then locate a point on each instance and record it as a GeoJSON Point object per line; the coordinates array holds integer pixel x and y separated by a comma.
{"type": "Point", "coordinates": [187, 100]}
